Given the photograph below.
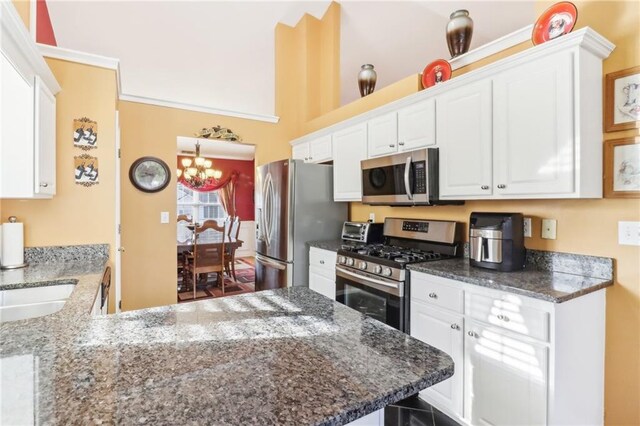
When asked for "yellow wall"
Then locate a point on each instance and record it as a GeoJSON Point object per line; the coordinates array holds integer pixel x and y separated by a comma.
{"type": "Point", "coordinates": [76, 215]}
{"type": "Point", "coordinates": [584, 226]}
{"type": "Point", "coordinates": [24, 10]}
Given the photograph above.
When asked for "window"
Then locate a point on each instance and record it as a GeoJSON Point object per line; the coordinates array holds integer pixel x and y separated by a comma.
{"type": "Point", "coordinates": [200, 206]}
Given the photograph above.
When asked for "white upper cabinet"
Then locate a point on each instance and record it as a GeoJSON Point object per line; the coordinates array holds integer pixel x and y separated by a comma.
{"type": "Point", "coordinates": [349, 149]}
{"type": "Point", "coordinates": [417, 125]}
{"type": "Point", "coordinates": [45, 140]}
{"type": "Point", "coordinates": [464, 135]}
{"type": "Point", "coordinates": [315, 151]}
{"type": "Point", "coordinates": [383, 135]}
{"type": "Point", "coordinates": [534, 140]}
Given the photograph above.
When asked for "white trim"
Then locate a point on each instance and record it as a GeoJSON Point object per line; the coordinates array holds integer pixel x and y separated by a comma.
{"type": "Point", "coordinates": [77, 56]}
{"type": "Point", "coordinates": [118, 235]}
{"type": "Point", "coordinates": [18, 46]}
{"type": "Point", "coordinates": [493, 47]}
{"type": "Point", "coordinates": [33, 19]}
{"type": "Point", "coordinates": [198, 108]}
{"type": "Point", "coordinates": [585, 38]}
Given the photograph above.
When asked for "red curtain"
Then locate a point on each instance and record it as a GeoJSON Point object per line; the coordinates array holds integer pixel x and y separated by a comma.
{"type": "Point", "coordinates": [213, 185]}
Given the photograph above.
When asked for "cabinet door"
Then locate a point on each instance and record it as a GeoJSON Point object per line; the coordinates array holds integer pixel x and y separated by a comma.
{"type": "Point", "coordinates": [319, 282]}
{"type": "Point", "coordinates": [505, 378]}
{"type": "Point", "coordinates": [417, 125]}
{"type": "Point", "coordinates": [320, 149]}
{"type": "Point", "coordinates": [349, 148]}
{"type": "Point", "coordinates": [300, 152]}
{"type": "Point", "coordinates": [464, 135]}
{"type": "Point", "coordinates": [383, 135]}
{"type": "Point", "coordinates": [45, 140]}
{"type": "Point", "coordinates": [442, 330]}
{"type": "Point", "coordinates": [533, 134]}
{"type": "Point", "coordinates": [16, 133]}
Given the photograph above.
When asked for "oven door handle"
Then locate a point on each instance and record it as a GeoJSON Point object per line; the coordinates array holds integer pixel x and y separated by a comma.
{"type": "Point", "coordinates": [391, 288]}
{"type": "Point", "coordinates": [407, 170]}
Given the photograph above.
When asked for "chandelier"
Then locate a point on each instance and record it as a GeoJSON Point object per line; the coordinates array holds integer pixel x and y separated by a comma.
{"type": "Point", "coordinates": [198, 171]}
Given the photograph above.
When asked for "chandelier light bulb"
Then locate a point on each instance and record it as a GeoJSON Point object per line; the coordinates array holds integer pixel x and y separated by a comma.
{"type": "Point", "coordinates": [200, 161]}
{"type": "Point", "coordinates": [186, 162]}
{"type": "Point", "coordinates": [217, 174]}
{"type": "Point", "coordinates": [208, 164]}
{"type": "Point", "coordinates": [179, 172]}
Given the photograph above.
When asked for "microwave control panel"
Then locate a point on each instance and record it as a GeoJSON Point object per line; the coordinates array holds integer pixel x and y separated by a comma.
{"type": "Point", "coordinates": [421, 177]}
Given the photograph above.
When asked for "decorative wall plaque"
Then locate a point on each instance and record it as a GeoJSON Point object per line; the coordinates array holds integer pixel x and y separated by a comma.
{"type": "Point", "coordinates": [85, 133]}
{"type": "Point", "coordinates": [86, 170]}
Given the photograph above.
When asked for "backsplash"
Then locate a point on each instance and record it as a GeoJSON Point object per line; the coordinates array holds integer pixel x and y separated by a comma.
{"type": "Point", "coordinates": [576, 264]}
{"type": "Point", "coordinates": [57, 254]}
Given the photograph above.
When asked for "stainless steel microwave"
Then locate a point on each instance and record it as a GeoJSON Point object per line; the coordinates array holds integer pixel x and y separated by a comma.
{"type": "Point", "coordinates": [405, 179]}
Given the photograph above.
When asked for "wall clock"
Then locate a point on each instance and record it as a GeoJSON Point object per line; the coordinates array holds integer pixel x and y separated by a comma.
{"type": "Point", "coordinates": [149, 174]}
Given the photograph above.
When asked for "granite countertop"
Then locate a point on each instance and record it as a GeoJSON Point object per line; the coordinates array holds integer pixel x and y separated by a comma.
{"type": "Point", "coordinates": [549, 285]}
{"type": "Point", "coordinates": [288, 356]}
{"type": "Point", "coordinates": [331, 245]}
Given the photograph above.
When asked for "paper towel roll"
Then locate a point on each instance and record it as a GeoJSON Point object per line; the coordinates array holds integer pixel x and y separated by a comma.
{"type": "Point", "coordinates": [12, 244]}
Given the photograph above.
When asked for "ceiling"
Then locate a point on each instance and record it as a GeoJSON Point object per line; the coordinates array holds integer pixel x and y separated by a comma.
{"type": "Point", "coordinates": [216, 148]}
{"type": "Point", "coordinates": [220, 54]}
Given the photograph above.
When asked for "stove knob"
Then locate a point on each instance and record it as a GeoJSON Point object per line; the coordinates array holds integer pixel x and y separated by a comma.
{"type": "Point", "coordinates": [362, 266]}
{"type": "Point", "coordinates": [349, 261]}
{"type": "Point", "coordinates": [377, 269]}
{"type": "Point", "coordinates": [342, 260]}
{"type": "Point", "coordinates": [386, 271]}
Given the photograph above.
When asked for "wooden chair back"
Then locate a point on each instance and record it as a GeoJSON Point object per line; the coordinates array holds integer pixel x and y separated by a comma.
{"type": "Point", "coordinates": [183, 218]}
{"type": "Point", "coordinates": [234, 230]}
{"type": "Point", "coordinates": [209, 258]}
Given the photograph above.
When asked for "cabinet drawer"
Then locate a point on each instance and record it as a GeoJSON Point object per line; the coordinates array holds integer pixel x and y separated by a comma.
{"type": "Point", "coordinates": [510, 313]}
{"type": "Point", "coordinates": [437, 291]}
{"type": "Point", "coordinates": [322, 258]}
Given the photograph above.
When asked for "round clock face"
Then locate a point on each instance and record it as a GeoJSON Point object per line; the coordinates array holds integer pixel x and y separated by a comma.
{"type": "Point", "coordinates": [149, 174]}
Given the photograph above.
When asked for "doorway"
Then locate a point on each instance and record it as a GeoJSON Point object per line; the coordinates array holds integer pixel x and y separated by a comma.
{"type": "Point", "coordinates": [215, 218]}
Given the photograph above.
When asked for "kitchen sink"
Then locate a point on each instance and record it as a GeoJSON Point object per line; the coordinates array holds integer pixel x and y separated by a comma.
{"type": "Point", "coordinates": [32, 302]}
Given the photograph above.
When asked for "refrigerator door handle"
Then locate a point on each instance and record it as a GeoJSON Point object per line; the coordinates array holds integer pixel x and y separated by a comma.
{"type": "Point", "coordinates": [266, 209]}
{"type": "Point", "coordinates": [270, 263]}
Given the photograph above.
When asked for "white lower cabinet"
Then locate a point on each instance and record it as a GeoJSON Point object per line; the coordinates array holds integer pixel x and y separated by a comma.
{"type": "Point", "coordinates": [518, 360]}
{"type": "Point", "coordinates": [322, 272]}
{"type": "Point", "coordinates": [445, 331]}
{"type": "Point", "coordinates": [505, 378]}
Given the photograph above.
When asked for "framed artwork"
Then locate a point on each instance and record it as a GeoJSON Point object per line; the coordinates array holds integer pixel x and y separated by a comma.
{"type": "Point", "coordinates": [622, 100]}
{"type": "Point", "coordinates": [622, 168]}
{"type": "Point", "coordinates": [85, 133]}
{"type": "Point", "coordinates": [86, 170]}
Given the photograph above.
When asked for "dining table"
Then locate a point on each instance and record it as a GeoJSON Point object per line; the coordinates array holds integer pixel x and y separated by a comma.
{"type": "Point", "coordinates": [209, 239]}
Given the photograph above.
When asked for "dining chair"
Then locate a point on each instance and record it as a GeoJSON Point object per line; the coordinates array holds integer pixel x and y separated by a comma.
{"type": "Point", "coordinates": [234, 232]}
{"type": "Point", "coordinates": [183, 235]}
{"type": "Point", "coordinates": [207, 258]}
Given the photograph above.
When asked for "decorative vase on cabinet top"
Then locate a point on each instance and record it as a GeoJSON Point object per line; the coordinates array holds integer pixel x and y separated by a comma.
{"type": "Point", "coordinates": [367, 78]}
{"type": "Point", "coordinates": [459, 32]}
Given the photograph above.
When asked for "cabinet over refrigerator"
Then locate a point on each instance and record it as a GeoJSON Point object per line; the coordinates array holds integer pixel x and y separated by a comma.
{"type": "Point", "coordinates": [294, 205]}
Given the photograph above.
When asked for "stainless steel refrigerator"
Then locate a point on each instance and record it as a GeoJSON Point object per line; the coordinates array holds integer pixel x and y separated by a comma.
{"type": "Point", "coordinates": [294, 205]}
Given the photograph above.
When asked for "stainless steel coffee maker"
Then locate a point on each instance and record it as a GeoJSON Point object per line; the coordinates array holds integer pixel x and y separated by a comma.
{"type": "Point", "coordinates": [496, 241]}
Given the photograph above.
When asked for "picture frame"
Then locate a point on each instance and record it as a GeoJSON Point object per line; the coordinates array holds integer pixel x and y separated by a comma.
{"type": "Point", "coordinates": [622, 168]}
{"type": "Point", "coordinates": [85, 133]}
{"type": "Point", "coordinates": [622, 100]}
{"type": "Point", "coordinates": [86, 170]}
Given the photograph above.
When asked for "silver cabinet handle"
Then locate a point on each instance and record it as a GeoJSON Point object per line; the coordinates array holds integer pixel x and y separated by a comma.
{"type": "Point", "coordinates": [401, 143]}
{"type": "Point", "coordinates": [433, 295]}
{"type": "Point", "coordinates": [484, 187]}
{"type": "Point", "coordinates": [322, 262]}
{"type": "Point", "coordinates": [392, 145]}
{"type": "Point", "coordinates": [455, 326]}
{"type": "Point", "coordinates": [310, 158]}
{"type": "Point", "coordinates": [306, 158]}
{"type": "Point", "coordinates": [502, 186]}
{"type": "Point", "coordinates": [472, 334]}
{"type": "Point", "coordinates": [121, 249]}
{"type": "Point", "coordinates": [44, 184]}
{"type": "Point", "coordinates": [503, 318]}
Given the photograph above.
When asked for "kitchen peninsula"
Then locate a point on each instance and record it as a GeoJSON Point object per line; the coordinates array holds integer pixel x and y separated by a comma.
{"type": "Point", "coordinates": [288, 356]}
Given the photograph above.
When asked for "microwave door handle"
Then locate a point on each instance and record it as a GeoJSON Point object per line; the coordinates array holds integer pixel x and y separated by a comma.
{"type": "Point", "coordinates": [407, 170]}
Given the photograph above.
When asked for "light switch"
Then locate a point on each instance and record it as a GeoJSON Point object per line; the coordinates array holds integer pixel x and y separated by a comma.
{"type": "Point", "coordinates": [629, 233]}
{"type": "Point", "coordinates": [164, 217]}
{"type": "Point", "coordinates": [549, 229]}
{"type": "Point", "coordinates": [527, 227]}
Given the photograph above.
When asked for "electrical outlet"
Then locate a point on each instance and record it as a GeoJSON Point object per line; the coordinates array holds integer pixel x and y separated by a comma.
{"type": "Point", "coordinates": [629, 233]}
{"type": "Point", "coordinates": [549, 229]}
{"type": "Point", "coordinates": [527, 227]}
{"type": "Point", "coordinates": [372, 217]}
{"type": "Point", "coordinates": [164, 217]}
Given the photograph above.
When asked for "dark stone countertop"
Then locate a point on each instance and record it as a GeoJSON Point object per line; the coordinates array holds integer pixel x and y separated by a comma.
{"type": "Point", "coordinates": [331, 245]}
{"type": "Point", "coordinates": [556, 287]}
{"type": "Point", "coordinates": [288, 356]}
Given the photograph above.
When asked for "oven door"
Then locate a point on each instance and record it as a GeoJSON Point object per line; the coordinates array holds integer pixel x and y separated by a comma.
{"type": "Point", "coordinates": [376, 297]}
{"type": "Point", "coordinates": [402, 179]}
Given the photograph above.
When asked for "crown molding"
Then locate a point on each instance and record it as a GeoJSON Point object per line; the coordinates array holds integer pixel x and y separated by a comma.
{"type": "Point", "coordinates": [79, 57]}
{"type": "Point", "coordinates": [491, 48]}
{"type": "Point", "coordinates": [199, 108]}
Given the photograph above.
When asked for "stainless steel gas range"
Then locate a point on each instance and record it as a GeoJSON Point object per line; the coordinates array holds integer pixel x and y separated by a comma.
{"type": "Point", "coordinates": [372, 278]}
